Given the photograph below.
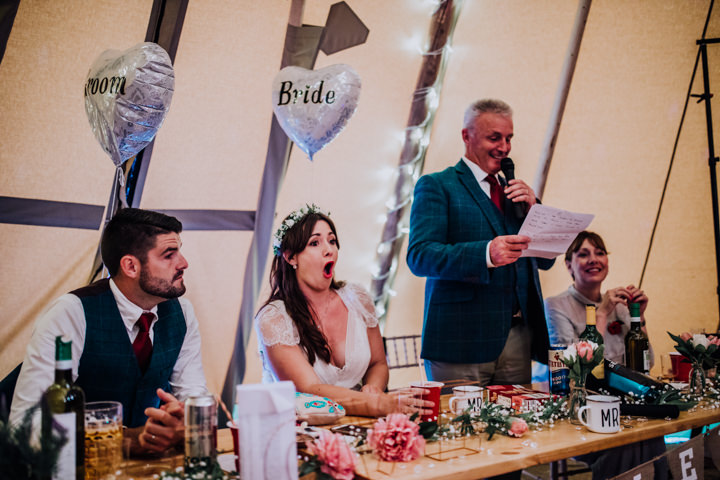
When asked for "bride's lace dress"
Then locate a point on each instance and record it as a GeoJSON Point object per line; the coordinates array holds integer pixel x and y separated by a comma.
{"type": "Point", "coordinates": [274, 326]}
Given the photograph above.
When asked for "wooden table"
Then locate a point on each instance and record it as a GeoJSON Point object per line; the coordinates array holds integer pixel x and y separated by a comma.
{"type": "Point", "coordinates": [504, 454]}
{"type": "Point", "coordinates": [500, 455]}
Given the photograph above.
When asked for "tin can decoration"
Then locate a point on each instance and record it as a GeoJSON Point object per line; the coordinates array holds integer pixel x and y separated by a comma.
{"type": "Point", "coordinates": [559, 372]}
{"type": "Point", "coordinates": [200, 434]}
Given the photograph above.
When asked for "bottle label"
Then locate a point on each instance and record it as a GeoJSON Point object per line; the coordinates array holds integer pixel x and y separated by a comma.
{"type": "Point", "coordinates": [65, 422]}
{"type": "Point", "coordinates": [646, 361]}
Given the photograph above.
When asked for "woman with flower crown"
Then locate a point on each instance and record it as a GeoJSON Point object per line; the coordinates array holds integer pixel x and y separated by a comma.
{"type": "Point", "coordinates": [321, 333]}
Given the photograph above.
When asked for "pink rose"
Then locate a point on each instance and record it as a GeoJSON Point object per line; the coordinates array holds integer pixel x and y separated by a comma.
{"type": "Point", "coordinates": [518, 427]}
{"type": "Point", "coordinates": [396, 439]}
{"type": "Point", "coordinates": [714, 340]}
{"type": "Point", "coordinates": [585, 351]}
{"type": "Point", "coordinates": [685, 336]}
{"type": "Point", "coordinates": [335, 455]}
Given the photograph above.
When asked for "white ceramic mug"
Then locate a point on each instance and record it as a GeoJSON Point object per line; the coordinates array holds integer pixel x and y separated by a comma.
{"type": "Point", "coordinates": [466, 396]}
{"type": "Point", "coordinates": [603, 414]}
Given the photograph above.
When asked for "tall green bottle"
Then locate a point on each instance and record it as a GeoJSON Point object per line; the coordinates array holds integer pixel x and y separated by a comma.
{"type": "Point", "coordinates": [63, 407]}
{"type": "Point", "coordinates": [637, 345]}
{"type": "Point", "coordinates": [591, 333]}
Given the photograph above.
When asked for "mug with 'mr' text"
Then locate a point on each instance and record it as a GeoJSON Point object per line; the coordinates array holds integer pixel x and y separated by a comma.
{"type": "Point", "coordinates": [601, 414]}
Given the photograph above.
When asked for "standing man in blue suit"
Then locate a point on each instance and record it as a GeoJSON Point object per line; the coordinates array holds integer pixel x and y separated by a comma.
{"type": "Point", "coordinates": [484, 318]}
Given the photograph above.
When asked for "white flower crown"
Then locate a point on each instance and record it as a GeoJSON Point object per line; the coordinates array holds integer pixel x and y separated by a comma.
{"type": "Point", "coordinates": [291, 220]}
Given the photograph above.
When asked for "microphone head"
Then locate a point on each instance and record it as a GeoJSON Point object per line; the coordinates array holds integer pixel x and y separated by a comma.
{"type": "Point", "coordinates": [508, 168]}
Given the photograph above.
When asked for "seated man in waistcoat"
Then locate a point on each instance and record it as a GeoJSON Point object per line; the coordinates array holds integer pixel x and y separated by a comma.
{"type": "Point", "coordinates": [133, 339]}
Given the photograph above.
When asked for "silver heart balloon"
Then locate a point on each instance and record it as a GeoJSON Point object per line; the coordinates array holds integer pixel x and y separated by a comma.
{"type": "Point", "coordinates": [127, 95]}
{"type": "Point", "coordinates": [313, 106]}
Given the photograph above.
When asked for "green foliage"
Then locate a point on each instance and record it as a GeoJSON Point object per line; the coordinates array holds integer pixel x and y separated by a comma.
{"type": "Point", "coordinates": [428, 429]}
{"type": "Point", "coordinates": [21, 457]}
{"type": "Point", "coordinates": [708, 357]}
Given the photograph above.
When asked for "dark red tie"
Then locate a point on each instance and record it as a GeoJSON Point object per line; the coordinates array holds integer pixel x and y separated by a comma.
{"type": "Point", "coordinates": [142, 344]}
{"type": "Point", "coordinates": [496, 192]}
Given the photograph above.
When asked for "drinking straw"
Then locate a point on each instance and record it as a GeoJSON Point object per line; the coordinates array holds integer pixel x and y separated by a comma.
{"type": "Point", "coordinates": [224, 408]}
{"type": "Point", "coordinates": [423, 375]}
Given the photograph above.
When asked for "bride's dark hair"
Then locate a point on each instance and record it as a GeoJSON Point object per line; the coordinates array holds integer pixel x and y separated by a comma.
{"type": "Point", "coordinates": [285, 287]}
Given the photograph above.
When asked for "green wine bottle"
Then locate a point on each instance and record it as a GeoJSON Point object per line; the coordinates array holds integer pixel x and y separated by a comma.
{"type": "Point", "coordinates": [591, 333]}
{"type": "Point", "coordinates": [63, 409]}
{"type": "Point", "coordinates": [637, 345]}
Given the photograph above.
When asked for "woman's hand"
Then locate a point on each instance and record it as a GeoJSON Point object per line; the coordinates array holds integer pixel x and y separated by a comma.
{"type": "Point", "coordinates": [607, 305]}
{"type": "Point", "coordinates": [611, 298]}
{"type": "Point", "coordinates": [408, 401]}
{"type": "Point", "coordinates": [637, 296]}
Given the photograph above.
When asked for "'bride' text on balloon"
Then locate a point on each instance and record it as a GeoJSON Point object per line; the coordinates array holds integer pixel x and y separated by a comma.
{"type": "Point", "coordinates": [287, 93]}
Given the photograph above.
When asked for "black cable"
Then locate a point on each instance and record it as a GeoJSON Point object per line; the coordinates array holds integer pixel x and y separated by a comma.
{"type": "Point", "coordinates": [677, 140]}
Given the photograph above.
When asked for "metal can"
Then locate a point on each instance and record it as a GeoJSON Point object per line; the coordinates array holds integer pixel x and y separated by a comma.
{"type": "Point", "coordinates": [200, 433]}
{"type": "Point", "coordinates": [559, 372]}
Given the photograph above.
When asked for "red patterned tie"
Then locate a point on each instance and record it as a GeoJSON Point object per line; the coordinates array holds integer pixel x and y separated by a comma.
{"type": "Point", "coordinates": [142, 344]}
{"type": "Point", "coordinates": [496, 192]}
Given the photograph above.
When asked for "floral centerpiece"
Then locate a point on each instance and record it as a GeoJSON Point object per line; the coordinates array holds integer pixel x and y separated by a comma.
{"type": "Point", "coordinates": [396, 438]}
{"type": "Point", "coordinates": [332, 457]}
{"type": "Point", "coordinates": [493, 418]}
{"type": "Point", "coordinates": [581, 358]}
{"type": "Point", "coordinates": [702, 352]}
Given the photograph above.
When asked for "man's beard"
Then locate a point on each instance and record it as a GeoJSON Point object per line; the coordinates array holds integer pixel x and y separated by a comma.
{"type": "Point", "coordinates": [160, 287]}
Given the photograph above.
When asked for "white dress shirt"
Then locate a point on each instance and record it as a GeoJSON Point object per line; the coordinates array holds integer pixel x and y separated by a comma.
{"type": "Point", "coordinates": [66, 316]}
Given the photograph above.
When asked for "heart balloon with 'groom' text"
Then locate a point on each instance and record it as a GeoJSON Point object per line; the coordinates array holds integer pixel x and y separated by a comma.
{"type": "Point", "coordinates": [127, 95]}
{"type": "Point", "coordinates": [313, 106]}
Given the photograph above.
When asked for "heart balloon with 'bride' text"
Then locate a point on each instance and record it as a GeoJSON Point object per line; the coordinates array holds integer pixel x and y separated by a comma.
{"type": "Point", "coordinates": [314, 106]}
{"type": "Point", "coordinates": [127, 95]}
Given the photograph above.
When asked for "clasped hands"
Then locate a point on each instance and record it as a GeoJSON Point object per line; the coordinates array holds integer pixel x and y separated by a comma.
{"type": "Point", "coordinates": [165, 426]}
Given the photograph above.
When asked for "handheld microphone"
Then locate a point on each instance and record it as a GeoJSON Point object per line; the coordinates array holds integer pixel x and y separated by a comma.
{"type": "Point", "coordinates": [508, 168]}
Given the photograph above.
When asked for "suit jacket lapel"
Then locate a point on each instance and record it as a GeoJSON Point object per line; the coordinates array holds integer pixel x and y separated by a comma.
{"type": "Point", "coordinates": [467, 179]}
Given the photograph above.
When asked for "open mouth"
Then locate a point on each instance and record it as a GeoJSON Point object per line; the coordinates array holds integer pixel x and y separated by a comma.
{"type": "Point", "coordinates": [328, 270]}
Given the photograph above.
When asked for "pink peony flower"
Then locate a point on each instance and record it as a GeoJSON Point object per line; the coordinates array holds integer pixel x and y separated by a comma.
{"type": "Point", "coordinates": [396, 439]}
{"type": "Point", "coordinates": [336, 456]}
{"type": "Point", "coordinates": [518, 427]}
{"type": "Point", "coordinates": [585, 351]}
{"type": "Point", "coordinates": [685, 336]}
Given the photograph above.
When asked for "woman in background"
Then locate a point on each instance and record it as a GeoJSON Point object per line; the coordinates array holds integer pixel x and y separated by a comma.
{"type": "Point", "coordinates": [587, 261]}
{"type": "Point", "coordinates": [320, 333]}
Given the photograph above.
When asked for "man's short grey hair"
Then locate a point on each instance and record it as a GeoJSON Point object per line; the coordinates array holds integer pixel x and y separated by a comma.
{"type": "Point", "coordinates": [486, 105]}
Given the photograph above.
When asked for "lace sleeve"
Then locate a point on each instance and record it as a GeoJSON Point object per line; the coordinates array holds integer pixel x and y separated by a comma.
{"type": "Point", "coordinates": [363, 302]}
{"type": "Point", "coordinates": [274, 326]}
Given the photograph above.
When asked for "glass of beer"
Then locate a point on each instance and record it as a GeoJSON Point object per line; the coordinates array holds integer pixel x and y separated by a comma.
{"type": "Point", "coordinates": [103, 439]}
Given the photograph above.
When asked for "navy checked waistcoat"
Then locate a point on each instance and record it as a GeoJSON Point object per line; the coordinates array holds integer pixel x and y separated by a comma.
{"type": "Point", "coordinates": [108, 369]}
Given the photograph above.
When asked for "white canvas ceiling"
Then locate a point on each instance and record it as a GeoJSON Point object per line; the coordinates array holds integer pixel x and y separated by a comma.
{"type": "Point", "coordinates": [615, 144]}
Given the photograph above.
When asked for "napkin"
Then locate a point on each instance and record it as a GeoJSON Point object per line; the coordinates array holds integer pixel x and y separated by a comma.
{"type": "Point", "coordinates": [265, 415]}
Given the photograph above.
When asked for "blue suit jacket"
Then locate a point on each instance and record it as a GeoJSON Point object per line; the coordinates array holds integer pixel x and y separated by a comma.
{"type": "Point", "coordinates": [468, 306]}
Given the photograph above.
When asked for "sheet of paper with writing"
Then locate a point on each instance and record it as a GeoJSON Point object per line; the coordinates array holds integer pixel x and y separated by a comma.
{"type": "Point", "coordinates": [552, 230]}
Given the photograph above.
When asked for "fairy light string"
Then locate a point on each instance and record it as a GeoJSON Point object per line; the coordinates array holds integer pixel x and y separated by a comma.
{"type": "Point", "coordinates": [425, 101]}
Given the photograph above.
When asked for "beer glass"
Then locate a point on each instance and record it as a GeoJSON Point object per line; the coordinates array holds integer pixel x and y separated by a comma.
{"type": "Point", "coordinates": [103, 439]}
